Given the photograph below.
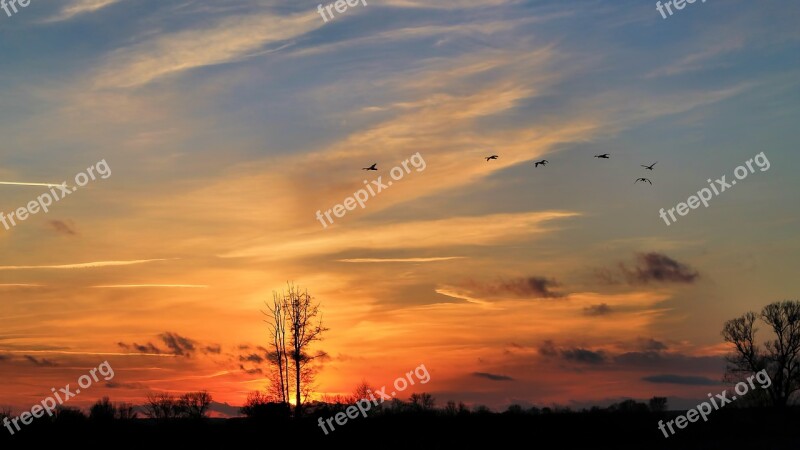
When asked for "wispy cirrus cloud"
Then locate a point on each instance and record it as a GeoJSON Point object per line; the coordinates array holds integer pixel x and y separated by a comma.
{"type": "Point", "coordinates": [400, 260]}
{"type": "Point", "coordinates": [89, 265]}
{"type": "Point", "coordinates": [134, 286]}
{"type": "Point", "coordinates": [79, 7]}
{"type": "Point", "coordinates": [228, 40]}
{"type": "Point", "coordinates": [457, 231]}
{"type": "Point", "coordinates": [87, 353]}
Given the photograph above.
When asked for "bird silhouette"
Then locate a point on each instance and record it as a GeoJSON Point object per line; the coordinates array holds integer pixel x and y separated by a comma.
{"type": "Point", "coordinates": [542, 162]}
{"type": "Point", "coordinates": [642, 179]}
{"type": "Point", "coordinates": [604, 156]}
{"type": "Point", "coordinates": [491, 157]}
{"type": "Point", "coordinates": [650, 167]}
{"type": "Point", "coordinates": [372, 167]}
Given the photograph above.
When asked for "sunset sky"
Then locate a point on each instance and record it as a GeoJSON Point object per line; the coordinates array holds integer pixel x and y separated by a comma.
{"type": "Point", "coordinates": [228, 125]}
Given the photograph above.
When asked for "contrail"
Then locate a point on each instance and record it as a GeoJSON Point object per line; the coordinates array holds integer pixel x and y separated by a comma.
{"type": "Point", "coordinates": [14, 183]}
{"type": "Point", "coordinates": [114, 286]}
{"type": "Point", "coordinates": [398, 260]}
{"type": "Point", "coordinates": [64, 352]}
{"type": "Point", "coordinates": [89, 265]}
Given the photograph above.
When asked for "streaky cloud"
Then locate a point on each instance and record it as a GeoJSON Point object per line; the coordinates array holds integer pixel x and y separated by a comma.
{"type": "Point", "coordinates": [65, 352]}
{"type": "Point", "coordinates": [89, 265]}
{"type": "Point", "coordinates": [132, 286]}
{"type": "Point", "coordinates": [79, 7]}
{"type": "Point", "coordinates": [400, 260]}
{"type": "Point", "coordinates": [22, 183]}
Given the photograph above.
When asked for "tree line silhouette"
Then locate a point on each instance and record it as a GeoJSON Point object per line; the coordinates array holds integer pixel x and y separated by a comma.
{"type": "Point", "coordinates": [295, 324]}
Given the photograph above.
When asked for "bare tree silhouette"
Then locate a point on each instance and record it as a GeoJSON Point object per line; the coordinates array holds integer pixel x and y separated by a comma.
{"type": "Point", "coordinates": [295, 323]}
{"type": "Point", "coordinates": [780, 357]}
{"type": "Point", "coordinates": [160, 406]}
{"type": "Point", "coordinates": [422, 401]}
{"type": "Point", "coordinates": [305, 327]}
{"type": "Point", "coordinates": [278, 357]}
{"type": "Point", "coordinates": [194, 405]}
{"type": "Point", "coordinates": [163, 405]}
{"type": "Point", "coordinates": [362, 391]}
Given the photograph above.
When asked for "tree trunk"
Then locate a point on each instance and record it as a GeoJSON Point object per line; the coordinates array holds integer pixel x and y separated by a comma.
{"type": "Point", "coordinates": [298, 409]}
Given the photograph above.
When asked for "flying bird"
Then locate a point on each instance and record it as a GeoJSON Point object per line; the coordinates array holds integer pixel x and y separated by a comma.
{"type": "Point", "coordinates": [372, 167]}
{"type": "Point", "coordinates": [642, 179]}
{"type": "Point", "coordinates": [491, 157]}
{"type": "Point", "coordinates": [650, 167]}
{"type": "Point", "coordinates": [604, 156]}
{"type": "Point", "coordinates": [542, 162]}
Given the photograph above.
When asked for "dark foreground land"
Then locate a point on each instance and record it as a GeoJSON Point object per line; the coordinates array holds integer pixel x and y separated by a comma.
{"type": "Point", "coordinates": [752, 429]}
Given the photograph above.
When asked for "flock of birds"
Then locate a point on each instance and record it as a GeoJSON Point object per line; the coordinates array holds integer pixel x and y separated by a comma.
{"type": "Point", "coordinates": [544, 162]}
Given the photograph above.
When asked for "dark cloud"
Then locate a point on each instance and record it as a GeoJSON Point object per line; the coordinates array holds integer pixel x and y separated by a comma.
{"type": "Point", "coordinates": [654, 357]}
{"type": "Point", "coordinates": [662, 268]}
{"type": "Point", "coordinates": [536, 287]}
{"type": "Point", "coordinates": [660, 360]}
{"type": "Point", "coordinates": [681, 379]}
{"type": "Point", "coordinates": [548, 348]}
{"type": "Point", "coordinates": [176, 345]}
{"type": "Point", "coordinates": [653, 345]}
{"type": "Point", "coordinates": [147, 348]}
{"type": "Point", "coordinates": [650, 267]}
{"type": "Point", "coordinates": [491, 376]}
{"type": "Point", "coordinates": [249, 360]}
{"type": "Point", "coordinates": [252, 371]}
{"type": "Point", "coordinates": [527, 287]}
{"type": "Point", "coordinates": [61, 227]}
{"type": "Point", "coordinates": [179, 345]}
{"type": "Point", "coordinates": [583, 355]}
{"type": "Point", "coordinates": [253, 357]}
{"type": "Point", "coordinates": [597, 310]}
{"type": "Point", "coordinates": [40, 362]}
{"type": "Point", "coordinates": [216, 349]}
{"type": "Point", "coordinates": [574, 354]}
